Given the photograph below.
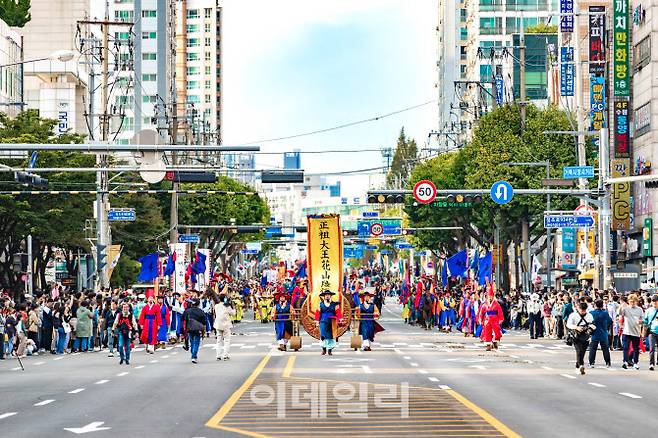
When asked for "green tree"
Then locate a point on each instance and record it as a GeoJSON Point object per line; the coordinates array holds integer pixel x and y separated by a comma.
{"type": "Point", "coordinates": [220, 210]}
{"type": "Point", "coordinates": [16, 13]}
{"type": "Point", "coordinates": [404, 160]}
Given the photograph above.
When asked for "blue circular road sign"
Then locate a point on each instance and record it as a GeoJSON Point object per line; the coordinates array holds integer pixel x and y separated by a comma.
{"type": "Point", "coordinates": [502, 192]}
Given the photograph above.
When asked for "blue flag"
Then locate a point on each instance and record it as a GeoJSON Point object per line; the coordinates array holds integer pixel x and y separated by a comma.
{"type": "Point", "coordinates": [171, 265]}
{"type": "Point", "coordinates": [149, 269]}
{"type": "Point", "coordinates": [199, 266]}
{"type": "Point", "coordinates": [484, 271]}
{"type": "Point", "coordinates": [457, 264]}
{"type": "Point", "coordinates": [444, 274]}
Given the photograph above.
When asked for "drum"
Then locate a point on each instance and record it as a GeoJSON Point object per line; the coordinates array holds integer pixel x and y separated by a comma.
{"type": "Point", "coordinates": [308, 319]}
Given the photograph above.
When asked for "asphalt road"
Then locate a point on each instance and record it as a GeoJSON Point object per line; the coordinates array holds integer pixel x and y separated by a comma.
{"type": "Point", "coordinates": [413, 383]}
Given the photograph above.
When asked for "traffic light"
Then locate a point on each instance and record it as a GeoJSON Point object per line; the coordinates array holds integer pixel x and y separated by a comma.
{"type": "Point", "coordinates": [191, 177]}
{"type": "Point", "coordinates": [408, 232]}
{"type": "Point", "coordinates": [278, 176]}
{"type": "Point", "coordinates": [30, 179]}
{"type": "Point", "coordinates": [385, 198]}
{"type": "Point", "coordinates": [101, 257]}
{"type": "Point", "coordinates": [458, 201]}
{"type": "Point", "coordinates": [350, 233]}
{"type": "Point", "coordinates": [651, 184]}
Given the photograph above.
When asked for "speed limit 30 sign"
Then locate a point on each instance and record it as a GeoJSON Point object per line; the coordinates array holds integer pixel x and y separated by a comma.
{"type": "Point", "coordinates": [424, 191]}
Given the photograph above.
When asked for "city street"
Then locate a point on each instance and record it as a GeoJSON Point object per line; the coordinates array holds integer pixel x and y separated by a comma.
{"type": "Point", "coordinates": [454, 388]}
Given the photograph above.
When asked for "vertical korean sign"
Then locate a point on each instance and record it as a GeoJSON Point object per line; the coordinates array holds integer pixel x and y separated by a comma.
{"type": "Point", "coordinates": [566, 21]}
{"type": "Point", "coordinates": [325, 257]}
{"type": "Point", "coordinates": [567, 72]}
{"type": "Point", "coordinates": [621, 49]}
{"type": "Point", "coordinates": [596, 40]}
{"type": "Point", "coordinates": [621, 195]}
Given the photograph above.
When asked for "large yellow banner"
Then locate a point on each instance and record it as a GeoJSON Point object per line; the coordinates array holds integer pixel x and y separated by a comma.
{"type": "Point", "coordinates": [325, 257]}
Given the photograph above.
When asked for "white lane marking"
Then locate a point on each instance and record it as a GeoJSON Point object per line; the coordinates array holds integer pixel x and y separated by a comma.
{"type": "Point", "coordinates": [165, 356]}
{"type": "Point", "coordinates": [101, 382]}
{"type": "Point", "coordinates": [38, 363]}
{"type": "Point", "coordinates": [44, 403]}
{"type": "Point", "coordinates": [341, 370]}
{"type": "Point", "coordinates": [413, 364]}
{"type": "Point", "coordinates": [444, 387]}
{"type": "Point", "coordinates": [59, 358]}
{"type": "Point", "coordinates": [16, 369]}
{"type": "Point", "coordinates": [598, 385]}
{"type": "Point", "coordinates": [174, 352]}
{"type": "Point", "coordinates": [407, 357]}
{"type": "Point", "coordinates": [568, 376]}
{"type": "Point", "coordinates": [400, 343]}
{"type": "Point", "coordinates": [513, 356]}
{"type": "Point", "coordinates": [154, 361]}
{"type": "Point", "coordinates": [139, 367]}
{"type": "Point", "coordinates": [478, 367]}
{"type": "Point", "coordinates": [422, 371]}
{"type": "Point", "coordinates": [75, 354]}
{"type": "Point", "coordinates": [528, 361]}
{"type": "Point", "coordinates": [366, 369]}
{"type": "Point", "coordinates": [629, 395]}
{"type": "Point", "coordinates": [550, 351]}
{"type": "Point", "coordinates": [247, 346]}
{"type": "Point", "coordinates": [125, 373]}
{"type": "Point", "coordinates": [547, 368]}
{"type": "Point", "coordinates": [138, 349]}
{"type": "Point", "coordinates": [398, 351]}
{"type": "Point", "coordinates": [75, 391]}
{"type": "Point", "coordinates": [7, 414]}
{"type": "Point", "coordinates": [433, 379]}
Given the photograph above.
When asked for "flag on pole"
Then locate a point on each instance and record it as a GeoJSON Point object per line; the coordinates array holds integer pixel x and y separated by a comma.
{"type": "Point", "coordinates": [457, 264]}
{"type": "Point", "coordinates": [149, 270]}
{"type": "Point", "coordinates": [485, 269]}
{"type": "Point", "coordinates": [536, 266]}
{"type": "Point", "coordinates": [171, 265]}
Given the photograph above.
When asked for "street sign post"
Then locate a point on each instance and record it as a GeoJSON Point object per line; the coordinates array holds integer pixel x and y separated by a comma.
{"type": "Point", "coordinates": [121, 214]}
{"type": "Point", "coordinates": [501, 192]}
{"type": "Point", "coordinates": [568, 221]}
{"type": "Point", "coordinates": [370, 214]}
{"type": "Point", "coordinates": [575, 172]}
{"type": "Point", "coordinates": [189, 238]}
{"type": "Point", "coordinates": [424, 191]}
{"type": "Point", "coordinates": [249, 251]}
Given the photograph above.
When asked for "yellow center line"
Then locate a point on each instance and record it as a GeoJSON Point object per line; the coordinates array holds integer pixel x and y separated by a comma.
{"type": "Point", "coordinates": [232, 400]}
{"type": "Point", "coordinates": [500, 427]}
{"type": "Point", "coordinates": [288, 369]}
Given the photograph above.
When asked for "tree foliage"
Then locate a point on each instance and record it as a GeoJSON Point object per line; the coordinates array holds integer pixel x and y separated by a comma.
{"type": "Point", "coordinates": [404, 160]}
{"type": "Point", "coordinates": [16, 13]}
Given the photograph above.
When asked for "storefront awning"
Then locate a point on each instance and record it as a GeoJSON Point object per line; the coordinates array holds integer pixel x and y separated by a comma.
{"type": "Point", "coordinates": [587, 275]}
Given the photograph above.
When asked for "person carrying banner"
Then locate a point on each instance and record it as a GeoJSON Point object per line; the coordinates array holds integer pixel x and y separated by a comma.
{"type": "Point", "coordinates": [327, 317]}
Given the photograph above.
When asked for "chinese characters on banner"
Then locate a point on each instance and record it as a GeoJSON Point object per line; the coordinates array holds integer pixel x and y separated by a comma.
{"type": "Point", "coordinates": [566, 22]}
{"type": "Point", "coordinates": [621, 49]}
{"type": "Point", "coordinates": [596, 40]}
{"type": "Point", "coordinates": [621, 195]}
{"type": "Point", "coordinates": [567, 72]}
{"type": "Point", "coordinates": [325, 257]}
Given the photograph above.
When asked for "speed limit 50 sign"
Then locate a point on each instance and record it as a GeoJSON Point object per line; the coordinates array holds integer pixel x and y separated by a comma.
{"type": "Point", "coordinates": [424, 191]}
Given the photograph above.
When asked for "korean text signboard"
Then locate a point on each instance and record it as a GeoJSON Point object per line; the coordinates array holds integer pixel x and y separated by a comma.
{"type": "Point", "coordinates": [597, 40]}
{"type": "Point", "coordinates": [621, 49]}
{"type": "Point", "coordinates": [622, 135]}
{"type": "Point", "coordinates": [567, 72]}
{"type": "Point", "coordinates": [621, 195]}
{"type": "Point", "coordinates": [566, 21]}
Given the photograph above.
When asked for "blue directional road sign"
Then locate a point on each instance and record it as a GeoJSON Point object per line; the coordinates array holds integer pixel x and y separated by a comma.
{"type": "Point", "coordinates": [121, 215]}
{"type": "Point", "coordinates": [249, 251]}
{"type": "Point", "coordinates": [568, 221]}
{"type": "Point", "coordinates": [403, 245]}
{"type": "Point", "coordinates": [370, 214]}
{"type": "Point", "coordinates": [189, 238]}
{"type": "Point", "coordinates": [573, 172]}
{"type": "Point", "coordinates": [502, 192]}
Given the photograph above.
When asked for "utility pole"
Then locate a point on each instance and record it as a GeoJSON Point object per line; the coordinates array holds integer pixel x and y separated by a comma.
{"type": "Point", "coordinates": [604, 211]}
{"type": "Point", "coordinates": [30, 266]}
{"type": "Point", "coordinates": [522, 94]}
{"type": "Point", "coordinates": [549, 248]}
{"type": "Point", "coordinates": [103, 238]}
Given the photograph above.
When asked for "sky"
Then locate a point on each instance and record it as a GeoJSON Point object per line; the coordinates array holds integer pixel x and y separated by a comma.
{"type": "Point", "coordinates": [295, 66]}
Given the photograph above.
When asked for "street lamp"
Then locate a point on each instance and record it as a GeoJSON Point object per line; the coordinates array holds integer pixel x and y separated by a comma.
{"type": "Point", "coordinates": [59, 55]}
{"type": "Point", "coordinates": [549, 256]}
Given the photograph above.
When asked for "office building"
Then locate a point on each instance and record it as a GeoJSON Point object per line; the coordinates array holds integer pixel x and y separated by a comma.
{"type": "Point", "coordinates": [11, 86]}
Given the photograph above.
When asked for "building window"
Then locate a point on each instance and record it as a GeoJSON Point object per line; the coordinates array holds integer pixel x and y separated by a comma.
{"type": "Point", "coordinates": [192, 56]}
{"type": "Point", "coordinates": [642, 53]}
{"type": "Point", "coordinates": [208, 42]}
{"type": "Point", "coordinates": [207, 85]}
{"type": "Point", "coordinates": [192, 85]}
{"type": "Point", "coordinates": [122, 35]}
{"type": "Point", "coordinates": [192, 28]}
{"type": "Point", "coordinates": [149, 77]}
{"type": "Point", "coordinates": [193, 99]}
{"type": "Point", "coordinates": [492, 5]}
{"type": "Point", "coordinates": [149, 14]}
{"type": "Point", "coordinates": [491, 25]}
{"type": "Point", "coordinates": [191, 71]}
{"type": "Point", "coordinates": [462, 15]}
{"type": "Point", "coordinates": [207, 70]}
{"type": "Point", "coordinates": [193, 42]}
{"type": "Point", "coordinates": [208, 97]}
{"type": "Point", "coordinates": [192, 13]}
{"type": "Point", "coordinates": [149, 35]}
{"type": "Point", "coordinates": [149, 56]}
{"type": "Point", "coordinates": [208, 27]}
{"type": "Point", "coordinates": [462, 71]}
{"type": "Point", "coordinates": [208, 12]}
{"type": "Point", "coordinates": [123, 15]}
{"type": "Point", "coordinates": [147, 120]}
{"type": "Point", "coordinates": [208, 56]}
{"type": "Point", "coordinates": [463, 34]}
{"type": "Point", "coordinates": [149, 99]}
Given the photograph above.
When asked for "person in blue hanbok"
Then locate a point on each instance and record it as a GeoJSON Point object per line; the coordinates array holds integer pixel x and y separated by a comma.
{"type": "Point", "coordinates": [368, 313]}
{"type": "Point", "coordinates": [327, 316]}
{"type": "Point", "coordinates": [163, 330]}
{"type": "Point", "coordinates": [282, 321]}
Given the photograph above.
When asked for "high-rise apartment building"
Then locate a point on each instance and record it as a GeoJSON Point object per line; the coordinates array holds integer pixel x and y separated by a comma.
{"type": "Point", "coordinates": [198, 69]}
{"type": "Point", "coordinates": [11, 87]}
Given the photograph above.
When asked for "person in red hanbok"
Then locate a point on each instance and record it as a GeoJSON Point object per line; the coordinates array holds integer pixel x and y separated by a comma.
{"type": "Point", "coordinates": [492, 317]}
{"type": "Point", "coordinates": [150, 320]}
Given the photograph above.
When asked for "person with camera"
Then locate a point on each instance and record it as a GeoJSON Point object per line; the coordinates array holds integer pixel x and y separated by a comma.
{"type": "Point", "coordinates": [580, 325]}
{"type": "Point", "coordinates": [125, 326]}
{"type": "Point", "coordinates": [224, 314]}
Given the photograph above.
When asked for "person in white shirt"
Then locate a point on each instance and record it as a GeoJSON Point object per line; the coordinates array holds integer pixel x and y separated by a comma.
{"type": "Point", "coordinates": [534, 308]}
{"type": "Point", "coordinates": [223, 315]}
{"type": "Point", "coordinates": [632, 331]}
{"type": "Point", "coordinates": [581, 324]}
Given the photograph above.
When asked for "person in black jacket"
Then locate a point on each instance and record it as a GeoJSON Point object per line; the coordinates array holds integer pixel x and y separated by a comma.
{"type": "Point", "coordinates": [47, 326]}
{"type": "Point", "coordinates": [195, 324]}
